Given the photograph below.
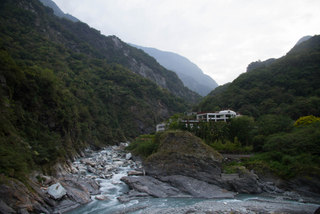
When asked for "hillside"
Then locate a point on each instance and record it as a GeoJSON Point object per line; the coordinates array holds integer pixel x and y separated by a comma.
{"type": "Point", "coordinates": [190, 74]}
{"type": "Point", "coordinates": [64, 87]}
{"type": "Point", "coordinates": [114, 50]}
{"type": "Point", "coordinates": [287, 86]}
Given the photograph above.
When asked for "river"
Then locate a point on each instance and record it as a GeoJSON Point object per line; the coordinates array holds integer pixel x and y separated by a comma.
{"type": "Point", "coordinates": [119, 164]}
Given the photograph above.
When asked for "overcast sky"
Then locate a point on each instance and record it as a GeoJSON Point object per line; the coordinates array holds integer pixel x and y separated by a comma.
{"type": "Point", "coordinates": [221, 36]}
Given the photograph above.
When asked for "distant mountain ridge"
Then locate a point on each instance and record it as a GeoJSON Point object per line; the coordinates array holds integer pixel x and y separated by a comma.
{"type": "Point", "coordinates": [57, 11]}
{"type": "Point", "coordinates": [190, 74]}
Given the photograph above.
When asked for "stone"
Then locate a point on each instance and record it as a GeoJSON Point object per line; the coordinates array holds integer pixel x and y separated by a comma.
{"type": "Point", "coordinates": [118, 163]}
{"type": "Point", "coordinates": [152, 186]}
{"type": "Point", "coordinates": [57, 191]}
{"type": "Point", "coordinates": [101, 197]}
{"type": "Point", "coordinates": [128, 156]}
{"type": "Point", "coordinates": [247, 182]}
{"type": "Point", "coordinates": [132, 195]}
{"type": "Point", "coordinates": [87, 161]}
{"type": "Point", "coordinates": [91, 169]}
{"type": "Point", "coordinates": [135, 173]}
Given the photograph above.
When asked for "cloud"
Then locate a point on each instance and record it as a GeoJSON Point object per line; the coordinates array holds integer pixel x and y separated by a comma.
{"type": "Point", "coordinates": [221, 36]}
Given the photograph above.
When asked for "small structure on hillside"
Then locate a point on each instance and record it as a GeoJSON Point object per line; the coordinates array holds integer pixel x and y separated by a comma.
{"type": "Point", "coordinates": [224, 116]}
{"type": "Point", "coordinates": [160, 127]}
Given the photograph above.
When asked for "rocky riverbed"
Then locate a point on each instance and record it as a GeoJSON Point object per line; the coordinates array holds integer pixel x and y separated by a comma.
{"type": "Point", "coordinates": [112, 181]}
{"type": "Point", "coordinates": [125, 189]}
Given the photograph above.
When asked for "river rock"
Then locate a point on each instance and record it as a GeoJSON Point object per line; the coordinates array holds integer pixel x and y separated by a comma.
{"type": "Point", "coordinates": [135, 173]}
{"type": "Point", "coordinates": [132, 195]}
{"type": "Point", "coordinates": [128, 156]}
{"type": "Point", "coordinates": [152, 186]}
{"type": "Point", "coordinates": [101, 197]}
{"type": "Point", "coordinates": [57, 191]}
{"type": "Point", "coordinates": [87, 161]}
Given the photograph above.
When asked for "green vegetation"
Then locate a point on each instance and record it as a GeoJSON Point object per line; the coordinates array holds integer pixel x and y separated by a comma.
{"type": "Point", "coordinates": [231, 147]}
{"type": "Point", "coordinates": [280, 145]}
{"type": "Point", "coordinates": [294, 153]}
{"type": "Point", "coordinates": [233, 167]}
{"type": "Point", "coordinates": [307, 120]}
{"type": "Point", "coordinates": [144, 145]}
{"type": "Point", "coordinates": [64, 87]}
{"type": "Point", "coordinates": [235, 136]}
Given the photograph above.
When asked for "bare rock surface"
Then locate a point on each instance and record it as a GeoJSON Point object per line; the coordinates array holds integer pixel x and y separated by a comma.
{"type": "Point", "coordinates": [238, 207]}
{"type": "Point", "coordinates": [197, 188]}
{"type": "Point", "coordinates": [152, 186]}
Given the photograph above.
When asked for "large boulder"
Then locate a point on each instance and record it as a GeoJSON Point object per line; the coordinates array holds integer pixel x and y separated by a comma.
{"type": "Point", "coordinates": [57, 191]}
{"type": "Point", "coordinates": [244, 182]}
{"type": "Point", "coordinates": [181, 153]}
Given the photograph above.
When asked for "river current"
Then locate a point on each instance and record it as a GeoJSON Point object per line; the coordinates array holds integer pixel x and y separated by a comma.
{"type": "Point", "coordinates": [112, 187]}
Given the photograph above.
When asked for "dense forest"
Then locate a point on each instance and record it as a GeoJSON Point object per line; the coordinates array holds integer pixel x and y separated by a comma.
{"type": "Point", "coordinates": [61, 91]}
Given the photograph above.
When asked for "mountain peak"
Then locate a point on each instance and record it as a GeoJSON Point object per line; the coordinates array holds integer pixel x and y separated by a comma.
{"type": "Point", "coordinates": [190, 74]}
{"type": "Point", "coordinates": [303, 39]}
{"type": "Point", "coordinates": [57, 11]}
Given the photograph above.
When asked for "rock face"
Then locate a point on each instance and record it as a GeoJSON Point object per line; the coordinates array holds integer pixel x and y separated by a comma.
{"type": "Point", "coordinates": [152, 187]}
{"type": "Point", "coordinates": [196, 188]}
{"type": "Point", "coordinates": [188, 164]}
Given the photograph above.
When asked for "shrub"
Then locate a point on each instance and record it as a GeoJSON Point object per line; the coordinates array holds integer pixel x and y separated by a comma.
{"type": "Point", "coordinates": [144, 145]}
{"type": "Point", "coordinates": [230, 147]}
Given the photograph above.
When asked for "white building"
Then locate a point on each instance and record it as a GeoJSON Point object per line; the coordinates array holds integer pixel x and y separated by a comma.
{"type": "Point", "coordinates": [224, 115]}
{"type": "Point", "coordinates": [160, 127]}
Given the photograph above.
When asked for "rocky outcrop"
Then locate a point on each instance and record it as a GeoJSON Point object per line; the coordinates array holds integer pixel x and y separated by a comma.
{"type": "Point", "coordinates": [152, 187]}
{"type": "Point", "coordinates": [181, 153]}
{"type": "Point", "coordinates": [16, 197]}
{"type": "Point", "coordinates": [197, 188]}
{"type": "Point", "coordinates": [46, 194]}
{"type": "Point", "coordinates": [174, 186]}
{"type": "Point", "coordinates": [262, 206]}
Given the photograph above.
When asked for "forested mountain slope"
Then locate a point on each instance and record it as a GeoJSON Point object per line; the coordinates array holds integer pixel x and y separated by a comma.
{"type": "Point", "coordinates": [64, 86]}
{"type": "Point", "coordinates": [288, 86]}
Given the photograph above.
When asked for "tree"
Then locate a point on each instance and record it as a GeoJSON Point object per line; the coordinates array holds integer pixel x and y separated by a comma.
{"type": "Point", "coordinates": [306, 120]}
{"type": "Point", "coordinates": [241, 128]}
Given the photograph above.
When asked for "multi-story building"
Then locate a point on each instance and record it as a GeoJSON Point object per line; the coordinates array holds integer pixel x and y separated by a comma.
{"type": "Point", "coordinates": [224, 115]}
